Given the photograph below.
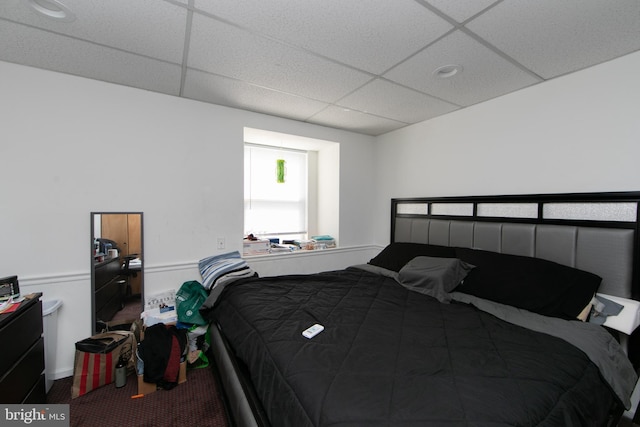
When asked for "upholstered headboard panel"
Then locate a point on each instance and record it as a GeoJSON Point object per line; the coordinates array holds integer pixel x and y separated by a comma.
{"type": "Point", "coordinates": [593, 232]}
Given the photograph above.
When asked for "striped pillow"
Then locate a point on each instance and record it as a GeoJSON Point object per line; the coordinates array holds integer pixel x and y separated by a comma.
{"type": "Point", "coordinates": [223, 269]}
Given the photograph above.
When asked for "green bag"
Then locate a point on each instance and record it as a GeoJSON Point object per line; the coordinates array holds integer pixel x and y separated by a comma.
{"type": "Point", "coordinates": [189, 298]}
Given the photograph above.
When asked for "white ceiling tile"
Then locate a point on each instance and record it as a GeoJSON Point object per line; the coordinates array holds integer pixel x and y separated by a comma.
{"type": "Point", "coordinates": [233, 93]}
{"type": "Point", "coordinates": [556, 37]}
{"type": "Point", "coordinates": [371, 35]}
{"type": "Point", "coordinates": [146, 27]}
{"type": "Point", "coordinates": [485, 74]}
{"type": "Point", "coordinates": [264, 62]}
{"type": "Point", "coordinates": [355, 121]}
{"type": "Point", "coordinates": [386, 99]}
{"type": "Point", "coordinates": [28, 46]}
{"type": "Point", "coordinates": [308, 58]}
{"type": "Point", "coordinates": [461, 10]}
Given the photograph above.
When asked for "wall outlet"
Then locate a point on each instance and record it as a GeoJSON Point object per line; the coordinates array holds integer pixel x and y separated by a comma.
{"type": "Point", "coordinates": [220, 242]}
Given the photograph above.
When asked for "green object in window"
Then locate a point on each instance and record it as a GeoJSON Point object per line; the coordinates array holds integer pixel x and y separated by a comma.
{"type": "Point", "coordinates": [280, 171]}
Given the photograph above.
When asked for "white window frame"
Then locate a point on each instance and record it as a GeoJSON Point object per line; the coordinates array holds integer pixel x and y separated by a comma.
{"type": "Point", "coordinates": [323, 210]}
{"type": "Point", "coordinates": [309, 197]}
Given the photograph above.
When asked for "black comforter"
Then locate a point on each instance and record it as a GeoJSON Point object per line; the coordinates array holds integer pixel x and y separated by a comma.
{"type": "Point", "coordinates": [392, 357]}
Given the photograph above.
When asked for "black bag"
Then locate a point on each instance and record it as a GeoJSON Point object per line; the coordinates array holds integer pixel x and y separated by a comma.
{"type": "Point", "coordinates": [101, 343]}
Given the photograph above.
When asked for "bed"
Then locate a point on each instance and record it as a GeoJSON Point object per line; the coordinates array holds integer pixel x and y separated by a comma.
{"type": "Point", "coordinates": [480, 311]}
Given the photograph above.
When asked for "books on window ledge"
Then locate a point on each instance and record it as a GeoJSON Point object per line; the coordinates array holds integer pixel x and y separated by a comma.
{"type": "Point", "coordinates": [277, 248]}
{"type": "Point", "coordinates": [315, 243]}
{"type": "Point", "coordinates": [256, 247]}
{"type": "Point", "coordinates": [267, 246]}
{"type": "Point", "coordinates": [326, 240]}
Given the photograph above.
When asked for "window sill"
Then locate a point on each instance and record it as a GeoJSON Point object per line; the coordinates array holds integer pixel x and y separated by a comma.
{"type": "Point", "coordinates": [311, 253]}
{"type": "Point", "coordinates": [299, 252]}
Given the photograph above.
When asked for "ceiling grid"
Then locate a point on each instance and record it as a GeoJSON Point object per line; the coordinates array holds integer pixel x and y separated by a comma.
{"type": "Point", "coordinates": [366, 66]}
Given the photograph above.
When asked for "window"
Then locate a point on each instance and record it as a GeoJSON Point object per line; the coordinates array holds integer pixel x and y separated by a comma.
{"type": "Point", "coordinates": [275, 192]}
{"type": "Point", "coordinates": [307, 203]}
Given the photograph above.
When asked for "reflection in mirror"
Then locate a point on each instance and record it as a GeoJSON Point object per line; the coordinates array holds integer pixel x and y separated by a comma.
{"type": "Point", "coordinates": [116, 270]}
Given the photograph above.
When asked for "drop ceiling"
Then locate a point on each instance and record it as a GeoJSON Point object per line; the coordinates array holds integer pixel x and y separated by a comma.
{"type": "Point", "coordinates": [366, 66]}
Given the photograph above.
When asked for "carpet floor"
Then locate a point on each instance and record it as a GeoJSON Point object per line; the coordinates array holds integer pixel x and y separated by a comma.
{"type": "Point", "coordinates": [129, 313]}
{"type": "Point", "coordinates": [198, 402]}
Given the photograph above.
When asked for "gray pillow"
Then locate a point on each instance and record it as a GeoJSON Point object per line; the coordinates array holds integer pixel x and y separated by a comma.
{"type": "Point", "coordinates": [432, 276]}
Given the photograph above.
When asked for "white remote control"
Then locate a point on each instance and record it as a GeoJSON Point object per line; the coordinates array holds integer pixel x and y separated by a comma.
{"type": "Point", "coordinates": [312, 331]}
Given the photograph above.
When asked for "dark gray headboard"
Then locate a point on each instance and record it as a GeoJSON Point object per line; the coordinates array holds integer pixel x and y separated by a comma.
{"type": "Point", "coordinates": [596, 232]}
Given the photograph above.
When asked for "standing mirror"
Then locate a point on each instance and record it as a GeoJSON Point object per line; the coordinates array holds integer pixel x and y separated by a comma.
{"type": "Point", "coordinates": [117, 274]}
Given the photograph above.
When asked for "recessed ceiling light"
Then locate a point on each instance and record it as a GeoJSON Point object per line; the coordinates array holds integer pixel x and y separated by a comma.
{"type": "Point", "coordinates": [53, 9]}
{"type": "Point", "coordinates": [447, 71]}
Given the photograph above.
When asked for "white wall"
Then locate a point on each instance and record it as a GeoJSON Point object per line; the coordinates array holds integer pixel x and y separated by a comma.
{"type": "Point", "coordinates": [70, 146]}
{"type": "Point", "coordinates": [577, 133]}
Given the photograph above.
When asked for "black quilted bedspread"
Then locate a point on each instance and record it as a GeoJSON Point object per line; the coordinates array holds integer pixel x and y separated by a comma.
{"type": "Point", "coordinates": [392, 357]}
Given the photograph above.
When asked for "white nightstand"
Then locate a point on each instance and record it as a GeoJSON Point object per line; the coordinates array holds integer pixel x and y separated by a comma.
{"type": "Point", "coordinates": [626, 322]}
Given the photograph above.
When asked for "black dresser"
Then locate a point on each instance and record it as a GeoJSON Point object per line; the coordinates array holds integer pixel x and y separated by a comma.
{"type": "Point", "coordinates": [22, 355]}
{"type": "Point", "coordinates": [109, 290]}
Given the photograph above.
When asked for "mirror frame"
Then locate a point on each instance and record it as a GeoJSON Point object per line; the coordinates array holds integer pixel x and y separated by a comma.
{"type": "Point", "coordinates": [92, 261]}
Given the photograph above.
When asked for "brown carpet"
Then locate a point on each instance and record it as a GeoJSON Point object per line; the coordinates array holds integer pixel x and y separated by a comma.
{"type": "Point", "coordinates": [194, 403]}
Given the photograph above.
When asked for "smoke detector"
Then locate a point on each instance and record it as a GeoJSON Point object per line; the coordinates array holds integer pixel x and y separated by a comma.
{"type": "Point", "coordinates": [52, 9]}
